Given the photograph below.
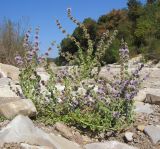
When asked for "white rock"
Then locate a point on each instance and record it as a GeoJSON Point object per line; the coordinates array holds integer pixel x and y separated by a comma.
{"type": "Point", "coordinates": [135, 60]}
{"type": "Point", "coordinates": [44, 77]}
{"type": "Point", "coordinates": [4, 81]}
{"type": "Point", "coordinates": [95, 89]}
{"type": "Point", "coordinates": [109, 145]}
{"type": "Point", "coordinates": [43, 74]}
{"type": "Point", "coordinates": [141, 96]}
{"type": "Point", "coordinates": [129, 136]}
{"type": "Point", "coordinates": [73, 93]}
{"type": "Point", "coordinates": [21, 106]}
{"type": "Point", "coordinates": [60, 87]}
{"type": "Point", "coordinates": [10, 71]}
{"type": "Point", "coordinates": [158, 126]}
{"type": "Point", "coordinates": [27, 146]}
{"type": "Point", "coordinates": [59, 100]}
{"type": "Point", "coordinates": [81, 91]}
{"type": "Point", "coordinates": [158, 65]}
{"type": "Point", "coordinates": [2, 74]}
{"type": "Point", "coordinates": [7, 92]}
{"type": "Point", "coordinates": [4, 100]}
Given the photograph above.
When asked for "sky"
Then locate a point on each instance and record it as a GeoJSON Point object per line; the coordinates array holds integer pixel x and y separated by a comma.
{"type": "Point", "coordinates": [42, 13]}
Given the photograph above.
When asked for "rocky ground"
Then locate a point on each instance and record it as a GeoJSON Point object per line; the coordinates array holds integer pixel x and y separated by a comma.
{"type": "Point", "coordinates": [138, 134]}
{"type": "Point", "coordinates": [22, 132]}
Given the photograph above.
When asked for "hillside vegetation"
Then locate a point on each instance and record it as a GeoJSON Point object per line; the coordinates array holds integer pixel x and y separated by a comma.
{"type": "Point", "coordinates": [138, 25]}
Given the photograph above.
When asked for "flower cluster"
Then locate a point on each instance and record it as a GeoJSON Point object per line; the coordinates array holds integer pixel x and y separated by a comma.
{"type": "Point", "coordinates": [19, 60]}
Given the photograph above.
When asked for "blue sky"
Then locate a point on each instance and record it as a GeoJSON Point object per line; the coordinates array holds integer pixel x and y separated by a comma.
{"type": "Point", "coordinates": [41, 13]}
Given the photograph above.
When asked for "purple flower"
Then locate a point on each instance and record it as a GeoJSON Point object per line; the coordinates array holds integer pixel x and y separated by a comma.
{"type": "Point", "coordinates": [127, 96]}
{"type": "Point", "coordinates": [19, 60]}
{"type": "Point", "coordinates": [46, 53]}
{"type": "Point", "coordinates": [100, 90]}
{"type": "Point", "coordinates": [133, 82]}
{"type": "Point", "coordinates": [117, 82]}
{"type": "Point", "coordinates": [26, 39]}
{"type": "Point", "coordinates": [18, 57]}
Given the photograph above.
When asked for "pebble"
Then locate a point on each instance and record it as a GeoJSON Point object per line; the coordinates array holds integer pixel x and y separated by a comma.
{"type": "Point", "coordinates": [129, 136]}
{"type": "Point", "coordinates": [140, 127]}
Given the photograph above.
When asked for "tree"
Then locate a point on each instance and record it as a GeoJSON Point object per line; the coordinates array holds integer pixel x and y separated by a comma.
{"type": "Point", "coordinates": [68, 45]}
{"type": "Point", "coordinates": [113, 19]}
{"type": "Point", "coordinates": [134, 10]}
{"type": "Point", "coordinates": [150, 1]}
{"type": "Point", "coordinates": [91, 26]}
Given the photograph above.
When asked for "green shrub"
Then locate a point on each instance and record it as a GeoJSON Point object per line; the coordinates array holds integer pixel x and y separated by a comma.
{"type": "Point", "coordinates": [152, 51]}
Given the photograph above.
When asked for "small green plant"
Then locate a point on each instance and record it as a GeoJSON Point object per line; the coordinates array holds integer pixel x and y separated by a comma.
{"type": "Point", "coordinates": [76, 94]}
{"type": "Point", "coordinates": [2, 118]}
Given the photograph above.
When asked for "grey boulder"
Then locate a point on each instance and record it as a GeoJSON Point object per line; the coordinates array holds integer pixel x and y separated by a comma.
{"type": "Point", "coordinates": [153, 132]}
{"type": "Point", "coordinates": [5, 90]}
{"type": "Point", "coordinates": [64, 143]}
{"type": "Point", "coordinates": [153, 98]}
{"type": "Point", "coordinates": [140, 107]}
{"type": "Point", "coordinates": [21, 129]}
{"type": "Point", "coordinates": [9, 71]}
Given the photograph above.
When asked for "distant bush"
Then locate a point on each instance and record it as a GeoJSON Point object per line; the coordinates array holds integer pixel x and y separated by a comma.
{"type": "Point", "coordinates": [11, 41]}
{"type": "Point", "coordinates": [152, 51]}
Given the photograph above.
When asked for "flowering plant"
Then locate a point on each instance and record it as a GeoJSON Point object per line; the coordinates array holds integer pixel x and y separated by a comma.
{"type": "Point", "coordinates": [77, 95]}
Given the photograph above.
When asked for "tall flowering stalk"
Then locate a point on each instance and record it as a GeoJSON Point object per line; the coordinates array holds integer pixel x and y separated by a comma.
{"type": "Point", "coordinates": [87, 59]}
{"type": "Point", "coordinates": [18, 58]}
{"type": "Point", "coordinates": [124, 57]}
